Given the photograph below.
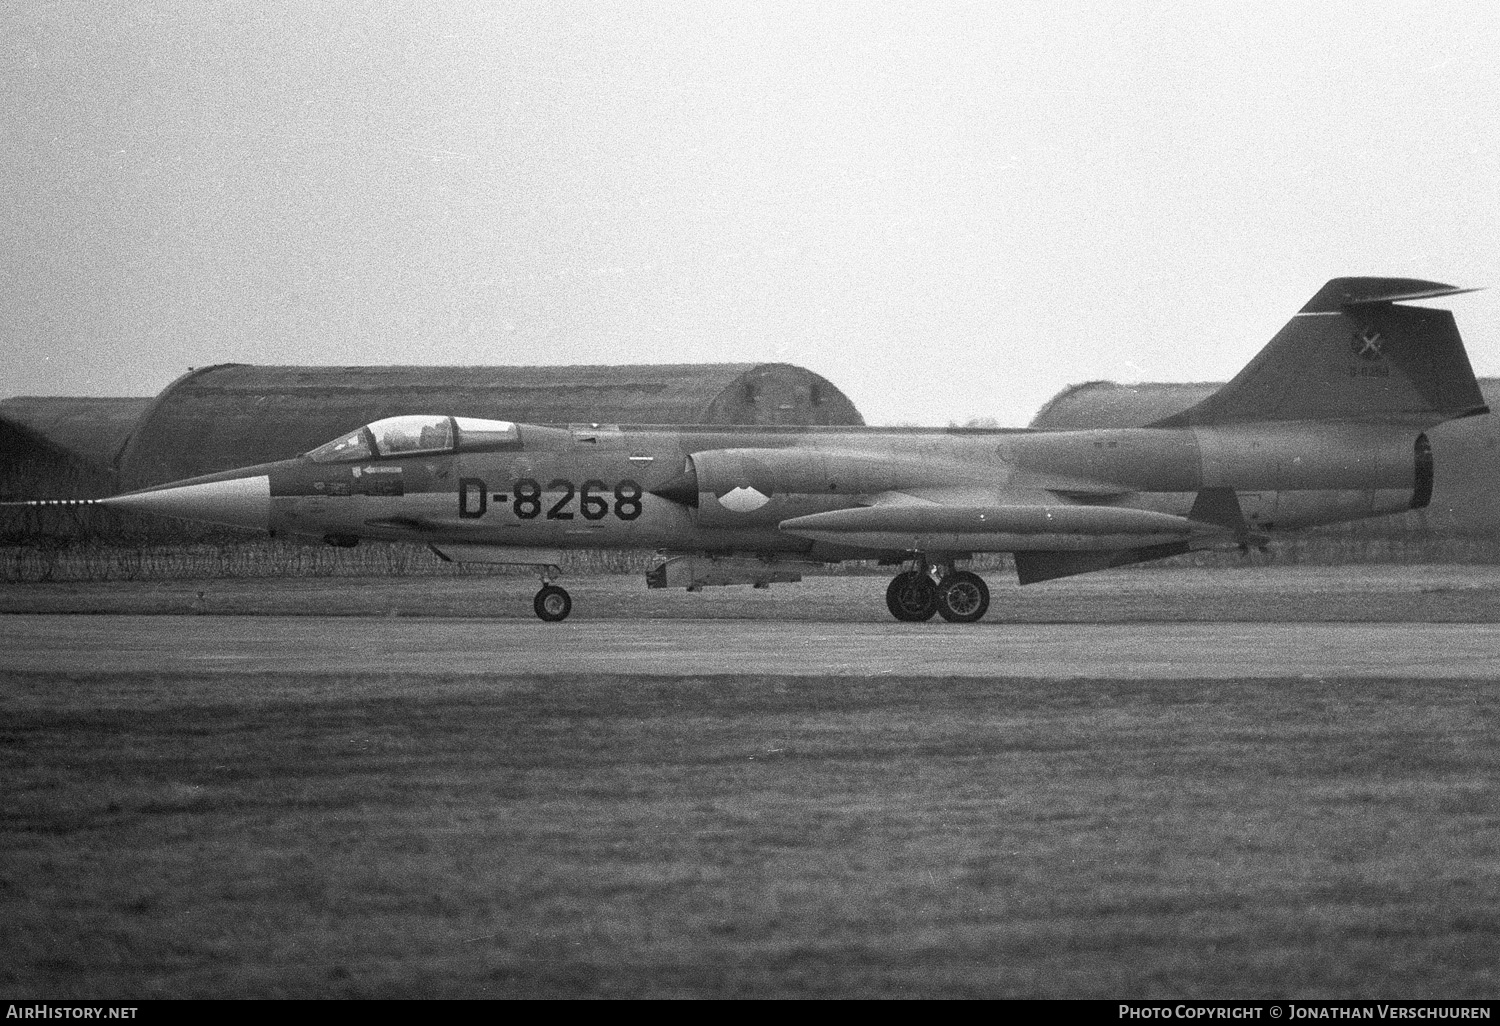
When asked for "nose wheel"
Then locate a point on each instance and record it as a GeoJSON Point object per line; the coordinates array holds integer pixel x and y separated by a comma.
{"type": "Point", "coordinates": [552, 603]}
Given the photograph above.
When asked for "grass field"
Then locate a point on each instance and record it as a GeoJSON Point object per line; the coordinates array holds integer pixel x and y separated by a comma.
{"type": "Point", "coordinates": [223, 833]}
{"type": "Point", "coordinates": [237, 835]}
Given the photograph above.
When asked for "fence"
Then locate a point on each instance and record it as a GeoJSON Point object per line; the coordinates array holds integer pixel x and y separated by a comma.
{"type": "Point", "coordinates": [95, 559]}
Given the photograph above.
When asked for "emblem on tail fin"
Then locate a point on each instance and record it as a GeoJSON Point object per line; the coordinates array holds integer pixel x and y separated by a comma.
{"type": "Point", "coordinates": [1366, 343]}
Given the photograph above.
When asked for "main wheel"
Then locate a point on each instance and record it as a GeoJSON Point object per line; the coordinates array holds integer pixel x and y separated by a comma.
{"type": "Point", "coordinates": [963, 597]}
{"type": "Point", "coordinates": [552, 603]}
{"type": "Point", "coordinates": [912, 597]}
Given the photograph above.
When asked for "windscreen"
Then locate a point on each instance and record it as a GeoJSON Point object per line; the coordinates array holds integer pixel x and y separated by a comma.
{"type": "Point", "coordinates": [353, 446]}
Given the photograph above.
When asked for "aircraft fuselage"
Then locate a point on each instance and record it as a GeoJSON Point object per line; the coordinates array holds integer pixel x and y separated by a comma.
{"type": "Point", "coordinates": [602, 487]}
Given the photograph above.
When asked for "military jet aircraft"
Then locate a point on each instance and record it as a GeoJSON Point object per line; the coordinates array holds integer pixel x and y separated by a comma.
{"type": "Point", "coordinates": [1325, 424]}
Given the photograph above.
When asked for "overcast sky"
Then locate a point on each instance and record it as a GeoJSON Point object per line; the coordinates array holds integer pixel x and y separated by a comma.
{"type": "Point", "coordinates": [951, 211]}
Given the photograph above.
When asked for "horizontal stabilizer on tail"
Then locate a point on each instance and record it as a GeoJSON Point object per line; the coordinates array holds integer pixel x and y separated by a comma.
{"type": "Point", "coordinates": [1343, 292]}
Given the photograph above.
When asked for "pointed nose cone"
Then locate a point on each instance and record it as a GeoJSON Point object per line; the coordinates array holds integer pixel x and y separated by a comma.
{"type": "Point", "coordinates": [242, 502]}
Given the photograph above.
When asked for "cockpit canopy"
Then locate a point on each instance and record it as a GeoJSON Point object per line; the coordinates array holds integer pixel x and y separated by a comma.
{"type": "Point", "coordinates": [418, 434]}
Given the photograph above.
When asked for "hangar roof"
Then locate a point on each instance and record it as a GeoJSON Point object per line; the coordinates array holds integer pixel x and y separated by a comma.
{"type": "Point", "coordinates": [91, 429]}
{"type": "Point", "coordinates": [1107, 404]}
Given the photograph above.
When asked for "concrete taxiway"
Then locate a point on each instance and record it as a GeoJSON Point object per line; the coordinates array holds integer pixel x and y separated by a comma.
{"type": "Point", "coordinates": [437, 646]}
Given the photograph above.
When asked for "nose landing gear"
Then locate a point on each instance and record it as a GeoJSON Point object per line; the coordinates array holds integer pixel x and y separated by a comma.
{"type": "Point", "coordinates": [552, 603]}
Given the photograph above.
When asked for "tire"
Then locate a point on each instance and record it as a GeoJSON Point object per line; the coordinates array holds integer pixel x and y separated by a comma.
{"type": "Point", "coordinates": [963, 597]}
{"type": "Point", "coordinates": [912, 597]}
{"type": "Point", "coordinates": [552, 604]}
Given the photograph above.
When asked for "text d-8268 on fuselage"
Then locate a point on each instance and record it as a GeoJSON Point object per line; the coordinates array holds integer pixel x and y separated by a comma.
{"type": "Point", "coordinates": [528, 500]}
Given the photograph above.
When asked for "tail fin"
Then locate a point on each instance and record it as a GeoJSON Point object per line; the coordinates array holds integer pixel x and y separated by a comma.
{"type": "Point", "coordinates": [1352, 354]}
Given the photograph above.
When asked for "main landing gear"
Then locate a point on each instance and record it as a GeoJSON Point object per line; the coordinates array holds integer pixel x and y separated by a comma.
{"type": "Point", "coordinates": [958, 596]}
